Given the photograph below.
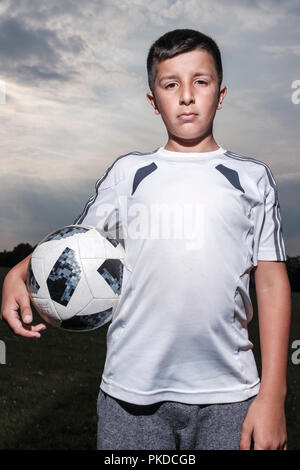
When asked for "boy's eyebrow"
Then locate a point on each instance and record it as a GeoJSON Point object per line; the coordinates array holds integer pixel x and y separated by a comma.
{"type": "Point", "coordinates": [197, 74]}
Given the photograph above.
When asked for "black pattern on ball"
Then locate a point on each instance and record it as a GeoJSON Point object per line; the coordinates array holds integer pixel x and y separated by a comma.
{"type": "Point", "coordinates": [113, 241]}
{"type": "Point", "coordinates": [32, 283]}
{"type": "Point", "coordinates": [64, 233]}
{"type": "Point", "coordinates": [112, 271]}
{"type": "Point", "coordinates": [86, 322]}
{"type": "Point", "coordinates": [64, 277]}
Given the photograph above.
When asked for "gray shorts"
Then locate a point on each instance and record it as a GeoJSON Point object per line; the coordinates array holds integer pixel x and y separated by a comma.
{"type": "Point", "coordinates": [169, 425]}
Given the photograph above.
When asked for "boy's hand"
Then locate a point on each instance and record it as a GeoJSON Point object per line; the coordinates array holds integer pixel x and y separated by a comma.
{"type": "Point", "coordinates": [15, 297]}
{"type": "Point", "coordinates": [265, 424]}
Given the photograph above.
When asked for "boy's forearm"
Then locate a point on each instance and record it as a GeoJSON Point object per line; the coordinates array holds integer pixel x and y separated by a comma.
{"type": "Point", "coordinates": [21, 268]}
{"type": "Point", "coordinates": [274, 312]}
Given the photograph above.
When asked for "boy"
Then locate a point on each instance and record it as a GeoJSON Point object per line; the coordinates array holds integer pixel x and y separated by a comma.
{"type": "Point", "coordinates": [179, 371]}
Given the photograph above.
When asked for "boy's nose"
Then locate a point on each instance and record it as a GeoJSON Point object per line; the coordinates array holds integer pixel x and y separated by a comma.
{"type": "Point", "coordinates": [187, 96]}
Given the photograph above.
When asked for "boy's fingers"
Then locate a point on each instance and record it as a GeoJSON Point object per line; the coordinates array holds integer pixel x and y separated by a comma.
{"type": "Point", "coordinates": [27, 317]}
{"type": "Point", "coordinates": [28, 331]}
{"type": "Point", "coordinates": [18, 328]}
{"type": "Point", "coordinates": [39, 327]}
{"type": "Point", "coordinates": [34, 328]}
{"type": "Point", "coordinates": [245, 440]}
{"type": "Point", "coordinates": [23, 330]}
{"type": "Point", "coordinates": [26, 313]}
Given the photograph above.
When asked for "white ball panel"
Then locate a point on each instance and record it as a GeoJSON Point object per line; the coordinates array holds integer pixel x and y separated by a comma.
{"type": "Point", "coordinates": [43, 250]}
{"type": "Point", "coordinates": [91, 245]}
{"type": "Point", "coordinates": [98, 305]}
{"type": "Point", "coordinates": [47, 311]}
{"type": "Point", "coordinates": [113, 252]}
{"type": "Point", "coordinates": [80, 298]}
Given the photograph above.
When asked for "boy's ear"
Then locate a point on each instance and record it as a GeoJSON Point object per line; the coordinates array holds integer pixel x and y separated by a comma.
{"type": "Point", "coordinates": [151, 99]}
{"type": "Point", "coordinates": [222, 94]}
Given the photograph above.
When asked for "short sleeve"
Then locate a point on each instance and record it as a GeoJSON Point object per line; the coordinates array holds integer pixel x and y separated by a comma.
{"type": "Point", "coordinates": [269, 243]}
{"type": "Point", "coordinates": [102, 209]}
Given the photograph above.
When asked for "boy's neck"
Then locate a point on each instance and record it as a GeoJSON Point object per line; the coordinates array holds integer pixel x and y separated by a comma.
{"type": "Point", "coordinates": [208, 144]}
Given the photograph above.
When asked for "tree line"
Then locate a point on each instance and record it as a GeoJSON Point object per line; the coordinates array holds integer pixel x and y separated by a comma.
{"type": "Point", "coordinates": [11, 258]}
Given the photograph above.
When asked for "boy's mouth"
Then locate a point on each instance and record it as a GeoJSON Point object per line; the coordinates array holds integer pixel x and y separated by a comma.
{"type": "Point", "coordinates": [187, 116]}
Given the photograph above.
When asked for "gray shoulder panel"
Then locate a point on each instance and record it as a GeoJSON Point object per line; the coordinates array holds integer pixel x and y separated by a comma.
{"type": "Point", "coordinates": [142, 173]}
{"type": "Point", "coordinates": [236, 156]}
{"type": "Point", "coordinates": [231, 175]}
{"type": "Point", "coordinates": [278, 240]}
{"type": "Point", "coordinates": [98, 183]}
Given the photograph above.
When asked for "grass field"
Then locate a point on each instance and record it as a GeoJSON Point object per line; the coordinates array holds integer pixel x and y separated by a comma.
{"type": "Point", "coordinates": [49, 386]}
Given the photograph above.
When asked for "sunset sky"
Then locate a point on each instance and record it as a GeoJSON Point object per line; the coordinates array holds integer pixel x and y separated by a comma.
{"type": "Point", "coordinates": [75, 83]}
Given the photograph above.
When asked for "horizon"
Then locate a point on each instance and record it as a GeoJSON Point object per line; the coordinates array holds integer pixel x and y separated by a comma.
{"type": "Point", "coordinates": [73, 90]}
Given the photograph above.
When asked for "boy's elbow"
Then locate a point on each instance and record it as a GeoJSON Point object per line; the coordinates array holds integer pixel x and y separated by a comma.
{"type": "Point", "coordinates": [271, 275]}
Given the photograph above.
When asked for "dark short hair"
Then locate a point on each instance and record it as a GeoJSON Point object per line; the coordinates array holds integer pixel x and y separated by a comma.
{"type": "Point", "coordinates": [176, 42]}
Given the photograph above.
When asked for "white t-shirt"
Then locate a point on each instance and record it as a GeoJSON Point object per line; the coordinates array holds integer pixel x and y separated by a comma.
{"type": "Point", "coordinates": [193, 225]}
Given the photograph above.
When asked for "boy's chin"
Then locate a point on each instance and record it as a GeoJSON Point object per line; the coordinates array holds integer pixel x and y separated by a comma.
{"type": "Point", "coordinates": [187, 138]}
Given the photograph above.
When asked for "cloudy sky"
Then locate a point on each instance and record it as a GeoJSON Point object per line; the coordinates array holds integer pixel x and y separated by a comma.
{"type": "Point", "coordinates": [73, 87]}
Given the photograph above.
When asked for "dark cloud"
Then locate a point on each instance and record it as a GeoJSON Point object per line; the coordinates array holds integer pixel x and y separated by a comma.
{"type": "Point", "coordinates": [17, 42]}
{"type": "Point", "coordinates": [36, 54]}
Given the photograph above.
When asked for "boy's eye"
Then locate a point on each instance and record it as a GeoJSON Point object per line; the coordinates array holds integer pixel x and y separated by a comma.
{"type": "Point", "coordinates": [198, 81]}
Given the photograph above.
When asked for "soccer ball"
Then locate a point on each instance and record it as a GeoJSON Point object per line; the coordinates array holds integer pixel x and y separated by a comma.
{"type": "Point", "coordinates": [75, 276]}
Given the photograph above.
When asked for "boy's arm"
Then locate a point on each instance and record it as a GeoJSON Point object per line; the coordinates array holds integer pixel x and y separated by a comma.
{"type": "Point", "coordinates": [265, 420]}
{"type": "Point", "coordinates": [15, 297]}
{"type": "Point", "coordinates": [273, 294]}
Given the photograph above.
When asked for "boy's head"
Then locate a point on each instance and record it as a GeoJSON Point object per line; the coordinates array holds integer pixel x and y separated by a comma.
{"type": "Point", "coordinates": [185, 75]}
{"type": "Point", "coordinates": [177, 42]}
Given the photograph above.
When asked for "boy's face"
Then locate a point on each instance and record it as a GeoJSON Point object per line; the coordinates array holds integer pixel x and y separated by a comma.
{"type": "Point", "coordinates": [193, 89]}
